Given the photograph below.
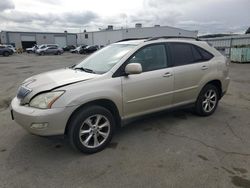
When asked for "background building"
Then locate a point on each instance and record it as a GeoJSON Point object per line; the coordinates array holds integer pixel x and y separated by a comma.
{"type": "Point", "coordinates": [108, 36]}
{"type": "Point", "coordinates": [226, 43]}
{"type": "Point", "coordinates": [28, 39]}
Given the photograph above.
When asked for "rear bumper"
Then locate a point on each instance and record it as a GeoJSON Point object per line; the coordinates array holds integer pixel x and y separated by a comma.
{"type": "Point", "coordinates": [55, 120]}
{"type": "Point", "coordinates": [225, 85]}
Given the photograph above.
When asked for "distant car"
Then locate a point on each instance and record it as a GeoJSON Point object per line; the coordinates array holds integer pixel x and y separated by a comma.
{"type": "Point", "coordinates": [5, 51]}
{"type": "Point", "coordinates": [49, 50]}
{"type": "Point", "coordinates": [10, 47]}
{"type": "Point", "coordinates": [68, 48]}
{"type": "Point", "coordinates": [78, 49]}
{"type": "Point", "coordinates": [32, 50]}
{"type": "Point", "coordinates": [89, 49]}
{"type": "Point", "coordinates": [47, 45]}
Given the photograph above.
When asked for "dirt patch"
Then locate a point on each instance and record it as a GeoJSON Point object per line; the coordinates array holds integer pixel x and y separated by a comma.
{"type": "Point", "coordinates": [3, 150]}
{"type": "Point", "coordinates": [113, 145]}
{"type": "Point", "coordinates": [227, 170]}
{"type": "Point", "coordinates": [203, 158]}
{"type": "Point", "coordinates": [5, 103]}
{"type": "Point", "coordinates": [58, 146]}
{"type": "Point", "coordinates": [241, 170]}
{"type": "Point", "coordinates": [240, 182]}
{"type": "Point", "coordinates": [23, 67]}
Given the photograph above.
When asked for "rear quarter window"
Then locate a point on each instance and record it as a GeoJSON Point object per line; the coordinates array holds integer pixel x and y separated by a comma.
{"type": "Point", "coordinates": [186, 53]}
{"type": "Point", "coordinates": [205, 54]}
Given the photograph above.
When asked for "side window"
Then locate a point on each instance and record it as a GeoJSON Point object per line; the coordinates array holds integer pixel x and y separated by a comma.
{"type": "Point", "coordinates": [206, 55]}
{"type": "Point", "coordinates": [184, 54]}
{"type": "Point", "coordinates": [196, 54]}
{"type": "Point", "coordinates": [181, 53]}
{"type": "Point", "coordinates": [151, 57]}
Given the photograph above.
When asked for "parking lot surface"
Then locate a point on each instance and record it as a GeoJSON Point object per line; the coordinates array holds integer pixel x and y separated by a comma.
{"type": "Point", "coordinates": [170, 149]}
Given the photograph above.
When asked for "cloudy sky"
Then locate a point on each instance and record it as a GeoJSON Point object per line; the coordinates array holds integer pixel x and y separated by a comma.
{"type": "Point", "coordinates": [210, 16]}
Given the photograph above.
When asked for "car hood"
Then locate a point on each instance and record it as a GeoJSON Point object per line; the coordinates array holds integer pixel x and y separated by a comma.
{"type": "Point", "coordinates": [54, 79]}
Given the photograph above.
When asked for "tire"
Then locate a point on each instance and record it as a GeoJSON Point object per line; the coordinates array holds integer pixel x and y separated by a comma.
{"type": "Point", "coordinates": [86, 120]}
{"type": "Point", "coordinates": [6, 54]}
{"type": "Point", "coordinates": [42, 53]}
{"type": "Point", "coordinates": [207, 100]}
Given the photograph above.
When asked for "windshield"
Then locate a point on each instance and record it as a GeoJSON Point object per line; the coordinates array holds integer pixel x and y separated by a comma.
{"type": "Point", "coordinates": [42, 46]}
{"type": "Point", "coordinates": [103, 60]}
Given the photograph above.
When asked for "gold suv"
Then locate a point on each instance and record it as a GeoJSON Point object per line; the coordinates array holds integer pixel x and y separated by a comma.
{"type": "Point", "coordinates": [121, 81]}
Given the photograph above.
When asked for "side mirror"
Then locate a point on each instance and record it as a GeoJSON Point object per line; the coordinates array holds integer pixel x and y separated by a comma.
{"type": "Point", "coordinates": [133, 68]}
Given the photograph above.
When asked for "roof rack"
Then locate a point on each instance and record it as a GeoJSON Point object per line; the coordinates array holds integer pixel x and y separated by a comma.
{"type": "Point", "coordinates": [128, 39]}
{"type": "Point", "coordinates": [172, 37]}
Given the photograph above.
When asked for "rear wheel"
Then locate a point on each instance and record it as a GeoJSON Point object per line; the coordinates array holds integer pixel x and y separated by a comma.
{"type": "Point", "coordinates": [58, 53]}
{"type": "Point", "coordinates": [207, 100]}
{"type": "Point", "coordinates": [6, 54]}
{"type": "Point", "coordinates": [91, 129]}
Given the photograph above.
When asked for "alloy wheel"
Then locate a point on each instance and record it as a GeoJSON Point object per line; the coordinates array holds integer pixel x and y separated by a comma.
{"type": "Point", "coordinates": [209, 100]}
{"type": "Point", "coordinates": [94, 131]}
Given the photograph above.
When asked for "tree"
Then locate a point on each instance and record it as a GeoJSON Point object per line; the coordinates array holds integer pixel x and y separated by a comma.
{"type": "Point", "coordinates": [248, 31]}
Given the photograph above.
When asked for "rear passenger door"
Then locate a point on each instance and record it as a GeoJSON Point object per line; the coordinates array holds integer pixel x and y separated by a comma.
{"type": "Point", "coordinates": [52, 50]}
{"type": "Point", "coordinates": [190, 65]}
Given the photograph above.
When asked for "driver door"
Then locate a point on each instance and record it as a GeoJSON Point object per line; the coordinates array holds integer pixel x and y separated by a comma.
{"type": "Point", "coordinates": [152, 89]}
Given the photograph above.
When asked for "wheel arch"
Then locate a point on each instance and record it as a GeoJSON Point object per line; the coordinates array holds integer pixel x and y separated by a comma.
{"type": "Point", "coordinates": [217, 84]}
{"type": "Point", "coordinates": [106, 103]}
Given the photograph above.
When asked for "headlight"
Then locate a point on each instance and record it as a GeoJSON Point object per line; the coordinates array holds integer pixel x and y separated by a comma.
{"type": "Point", "coordinates": [45, 100]}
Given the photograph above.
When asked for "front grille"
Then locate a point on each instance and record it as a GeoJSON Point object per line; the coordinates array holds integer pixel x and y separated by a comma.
{"type": "Point", "coordinates": [23, 92]}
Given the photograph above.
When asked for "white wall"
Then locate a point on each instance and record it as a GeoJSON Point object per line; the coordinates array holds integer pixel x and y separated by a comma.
{"type": "Point", "coordinates": [44, 39]}
{"type": "Point", "coordinates": [156, 31]}
{"type": "Point", "coordinates": [71, 39]}
{"type": "Point", "coordinates": [108, 37]}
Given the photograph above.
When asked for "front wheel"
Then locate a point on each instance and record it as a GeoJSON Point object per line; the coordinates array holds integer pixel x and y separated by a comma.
{"type": "Point", "coordinates": [91, 129]}
{"type": "Point", "coordinates": [6, 54]}
{"type": "Point", "coordinates": [207, 100]}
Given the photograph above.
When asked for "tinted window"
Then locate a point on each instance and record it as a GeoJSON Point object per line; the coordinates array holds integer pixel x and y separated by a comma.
{"type": "Point", "coordinates": [206, 55]}
{"type": "Point", "coordinates": [196, 54]}
{"type": "Point", "coordinates": [152, 57]}
{"type": "Point", "coordinates": [181, 53]}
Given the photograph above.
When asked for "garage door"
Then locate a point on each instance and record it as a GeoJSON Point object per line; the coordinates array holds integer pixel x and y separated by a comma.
{"type": "Point", "coordinates": [28, 41]}
{"type": "Point", "coordinates": [60, 41]}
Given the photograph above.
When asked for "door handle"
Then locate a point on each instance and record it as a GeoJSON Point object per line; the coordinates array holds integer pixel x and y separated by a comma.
{"type": "Point", "coordinates": [167, 74]}
{"type": "Point", "coordinates": [204, 67]}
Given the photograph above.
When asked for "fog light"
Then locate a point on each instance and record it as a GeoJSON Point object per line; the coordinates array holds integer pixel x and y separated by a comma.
{"type": "Point", "coordinates": [39, 125]}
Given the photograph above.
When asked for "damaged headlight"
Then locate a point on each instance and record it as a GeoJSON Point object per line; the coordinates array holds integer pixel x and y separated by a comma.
{"type": "Point", "coordinates": [45, 100]}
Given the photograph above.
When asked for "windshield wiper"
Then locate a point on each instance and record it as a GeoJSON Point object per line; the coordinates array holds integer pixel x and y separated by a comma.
{"type": "Point", "coordinates": [85, 70]}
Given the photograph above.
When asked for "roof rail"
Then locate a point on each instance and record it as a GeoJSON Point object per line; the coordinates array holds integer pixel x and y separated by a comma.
{"type": "Point", "coordinates": [128, 39]}
{"type": "Point", "coordinates": [172, 37]}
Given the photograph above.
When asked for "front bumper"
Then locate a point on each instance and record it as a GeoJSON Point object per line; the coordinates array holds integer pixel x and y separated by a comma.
{"type": "Point", "coordinates": [55, 118]}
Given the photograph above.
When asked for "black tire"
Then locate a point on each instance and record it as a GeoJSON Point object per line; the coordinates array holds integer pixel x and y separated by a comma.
{"type": "Point", "coordinates": [42, 53]}
{"type": "Point", "coordinates": [6, 54]}
{"type": "Point", "coordinates": [203, 106]}
{"type": "Point", "coordinates": [58, 53]}
{"type": "Point", "coordinates": [77, 123]}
